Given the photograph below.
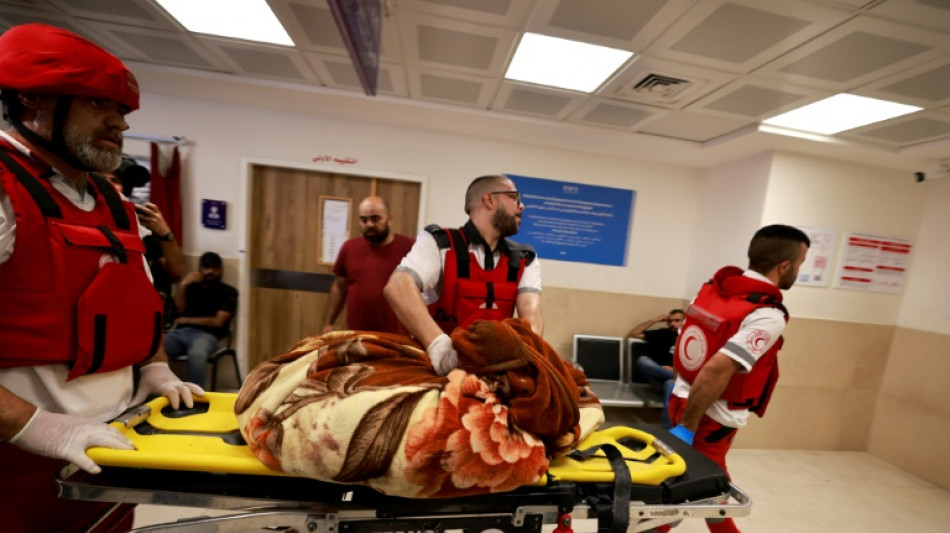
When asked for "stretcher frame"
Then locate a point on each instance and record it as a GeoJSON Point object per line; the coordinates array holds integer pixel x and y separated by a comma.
{"type": "Point", "coordinates": [295, 504]}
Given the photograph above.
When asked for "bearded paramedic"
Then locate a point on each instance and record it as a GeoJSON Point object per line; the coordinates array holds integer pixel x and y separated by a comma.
{"type": "Point", "coordinates": [452, 277]}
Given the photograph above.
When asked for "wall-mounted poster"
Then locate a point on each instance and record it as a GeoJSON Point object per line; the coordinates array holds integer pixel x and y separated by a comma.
{"type": "Point", "coordinates": [334, 227]}
{"type": "Point", "coordinates": [816, 270]}
{"type": "Point", "coordinates": [873, 263]}
{"type": "Point", "coordinates": [214, 214]}
{"type": "Point", "coordinates": [575, 221]}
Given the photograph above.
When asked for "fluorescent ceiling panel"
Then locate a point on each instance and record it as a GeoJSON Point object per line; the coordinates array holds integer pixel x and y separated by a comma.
{"type": "Point", "coordinates": [562, 63]}
{"type": "Point", "coordinates": [251, 20]}
{"type": "Point", "coordinates": [839, 113]}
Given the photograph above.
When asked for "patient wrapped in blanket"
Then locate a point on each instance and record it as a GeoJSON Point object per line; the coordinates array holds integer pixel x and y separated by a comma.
{"type": "Point", "coordinates": [367, 408]}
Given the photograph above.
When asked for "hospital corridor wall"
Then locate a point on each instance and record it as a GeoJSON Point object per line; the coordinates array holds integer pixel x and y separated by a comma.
{"type": "Point", "coordinates": [861, 371]}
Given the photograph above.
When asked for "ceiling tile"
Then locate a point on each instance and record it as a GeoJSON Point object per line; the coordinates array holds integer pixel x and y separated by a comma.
{"type": "Point", "coordinates": [853, 56]}
{"type": "Point", "coordinates": [13, 16]}
{"type": "Point", "coordinates": [462, 47]}
{"type": "Point", "coordinates": [162, 47]}
{"type": "Point", "coordinates": [927, 13]}
{"type": "Point", "coordinates": [741, 35]}
{"type": "Point", "coordinates": [455, 48]}
{"type": "Point", "coordinates": [927, 85]}
{"type": "Point", "coordinates": [143, 13]}
{"type": "Point", "coordinates": [502, 13]}
{"type": "Point", "coordinates": [689, 126]}
{"type": "Point", "coordinates": [338, 72]}
{"type": "Point", "coordinates": [624, 24]}
{"type": "Point", "coordinates": [613, 114]}
{"type": "Point", "coordinates": [706, 39]}
{"type": "Point", "coordinates": [311, 26]}
{"type": "Point", "coordinates": [452, 88]}
{"type": "Point", "coordinates": [750, 98]}
{"type": "Point", "coordinates": [910, 130]}
{"type": "Point", "coordinates": [536, 100]}
{"type": "Point", "coordinates": [860, 51]}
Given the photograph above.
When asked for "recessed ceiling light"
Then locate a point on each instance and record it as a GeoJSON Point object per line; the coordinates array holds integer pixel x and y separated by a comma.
{"type": "Point", "coordinates": [839, 113]}
{"type": "Point", "coordinates": [562, 63]}
{"type": "Point", "coordinates": [251, 20]}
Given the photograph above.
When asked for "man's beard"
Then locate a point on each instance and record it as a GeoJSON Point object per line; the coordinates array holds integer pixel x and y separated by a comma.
{"type": "Point", "coordinates": [377, 238]}
{"type": "Point", "coordinates": [83, 148]}
{"type": "Point", "coordinates": [787, 280]}
{"type": "Point", "coordinates": [505, 222]}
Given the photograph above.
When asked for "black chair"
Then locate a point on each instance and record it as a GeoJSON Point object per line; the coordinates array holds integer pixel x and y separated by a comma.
{"type": "Point", "coordinates": [224, 350]}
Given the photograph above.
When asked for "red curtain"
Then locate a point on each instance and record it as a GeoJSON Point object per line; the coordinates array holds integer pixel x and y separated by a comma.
{"type": "Point", "coordinates": [166, 189]}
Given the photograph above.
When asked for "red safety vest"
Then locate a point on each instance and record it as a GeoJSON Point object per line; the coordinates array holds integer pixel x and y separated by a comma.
{"type": "Point", "coordinates": [469, 292]}
{"type": "Point", "coordinates": [713, 318]}
{"type": "Point", "coordinates": [75, 289]}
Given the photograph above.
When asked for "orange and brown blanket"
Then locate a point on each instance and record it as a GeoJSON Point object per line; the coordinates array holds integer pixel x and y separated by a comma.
{"type": "Point", "coordinates": [367, 408]}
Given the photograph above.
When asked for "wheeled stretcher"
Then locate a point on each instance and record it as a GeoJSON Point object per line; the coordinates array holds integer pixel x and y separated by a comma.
{"type": "Point", "coordinates": [628, 479]}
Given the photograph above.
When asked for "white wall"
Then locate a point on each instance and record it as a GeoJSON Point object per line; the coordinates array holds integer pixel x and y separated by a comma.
{"type": "Point", "coordinates": [807, 191]}
{"type": "Point", "coordinates": [926, 301]}
{"type": "Point", "coordinates": [223, 135]}
{"type": "Point", "coordinates": [729, 213]}
{"type": "Point", "coordinates": [686, 223]}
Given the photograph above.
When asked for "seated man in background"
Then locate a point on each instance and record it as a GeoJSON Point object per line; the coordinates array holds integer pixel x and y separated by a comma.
{"type": "Point", "coordinates": [205, 308]}
{"type": "Point", "coordinates": [657, 365]}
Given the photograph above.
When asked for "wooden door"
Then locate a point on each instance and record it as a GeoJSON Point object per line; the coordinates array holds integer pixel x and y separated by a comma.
{"type": "Point", "coordinates": [288, 288]}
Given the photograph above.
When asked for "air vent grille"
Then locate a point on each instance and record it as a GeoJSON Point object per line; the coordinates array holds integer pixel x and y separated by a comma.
{"type": "Point", "coordinates": [661, 88]}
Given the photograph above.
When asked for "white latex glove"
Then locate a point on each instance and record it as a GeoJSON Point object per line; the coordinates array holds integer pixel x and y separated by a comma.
{"type": "Point", "coordinates": [67, 437]}
{"type": "Point", "coordinates": [157, 378]}
{"type": "Point", "coordinates": [442, 355]}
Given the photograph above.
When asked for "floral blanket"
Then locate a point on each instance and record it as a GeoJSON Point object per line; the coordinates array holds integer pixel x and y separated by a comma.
{"type": "Point", "coordinates": [367, 408]}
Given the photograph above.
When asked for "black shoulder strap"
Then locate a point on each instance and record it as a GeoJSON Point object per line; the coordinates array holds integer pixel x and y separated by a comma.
{"type": "Point", "coordinates": [517, 252]}
{"type": "Point", "coordinates": [42, 197]}
{"type": "Point", "coordinates": [768, 299]}
{"type": "Point", "coordinates": [113, 201]}
{"type": "Point", "coordinates": [440, 235]}
{"type": "Point", "coordinates": [461, 253]}
{"type": "Point", "coordinates": [446, 238]}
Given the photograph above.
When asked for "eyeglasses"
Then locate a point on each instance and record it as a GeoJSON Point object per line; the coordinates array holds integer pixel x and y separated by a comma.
{"type": "Point", "coordinates": [514, 195]}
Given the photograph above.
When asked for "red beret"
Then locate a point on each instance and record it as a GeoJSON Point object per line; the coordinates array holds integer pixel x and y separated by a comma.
{"type": "Point", "coordinates": [45, 59]}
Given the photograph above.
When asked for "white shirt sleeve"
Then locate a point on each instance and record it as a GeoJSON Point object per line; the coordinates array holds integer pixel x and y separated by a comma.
{"type": "Point", "coordinates": [7, 227]}
{"type": "Point", "coordinates": [531, 277]}
{"type": "Point", "coordinates": [424, 264]}
{"type": "Point", "coordinates": [759, 331]}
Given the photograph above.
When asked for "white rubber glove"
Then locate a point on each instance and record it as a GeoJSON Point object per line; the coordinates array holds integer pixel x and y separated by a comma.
{"type": "Point", "coordinates": [442, 355]}
{"type": "Point", "coordinates": [157, 378]}
{"type": "Point", "coordinates": [67, 437]}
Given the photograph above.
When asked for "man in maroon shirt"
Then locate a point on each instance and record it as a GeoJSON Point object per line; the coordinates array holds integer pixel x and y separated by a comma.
{"type": "Point", "coordinates": [362, 269]}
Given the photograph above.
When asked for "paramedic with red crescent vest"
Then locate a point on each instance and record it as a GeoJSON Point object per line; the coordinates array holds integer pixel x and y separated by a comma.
{"type": "Point", "coordinates": [453, 277]}
{"type": "Point", "coordinates": [77, 308]}
{"type": "Point", "coordinates": [726, 353]}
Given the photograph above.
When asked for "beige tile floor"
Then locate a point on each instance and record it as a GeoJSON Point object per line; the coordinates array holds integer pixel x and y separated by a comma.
{"type": "Point", "coordinates": [792, 492]}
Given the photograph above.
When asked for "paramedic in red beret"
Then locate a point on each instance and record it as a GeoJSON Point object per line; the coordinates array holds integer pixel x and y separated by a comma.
{"type": "Point", "coordinates": [77, 308]}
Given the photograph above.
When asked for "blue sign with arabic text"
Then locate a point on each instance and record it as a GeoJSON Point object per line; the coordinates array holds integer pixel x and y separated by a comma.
{"type": "Point", "coordinates": [575, 221]}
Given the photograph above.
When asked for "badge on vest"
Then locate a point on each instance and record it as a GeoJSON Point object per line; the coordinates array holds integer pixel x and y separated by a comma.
{"type": "Point", "coordinates": [693, 346]}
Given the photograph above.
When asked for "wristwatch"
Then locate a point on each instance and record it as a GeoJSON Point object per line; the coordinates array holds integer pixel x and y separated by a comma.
{"type": "Point", "coordinates": [166, 237]}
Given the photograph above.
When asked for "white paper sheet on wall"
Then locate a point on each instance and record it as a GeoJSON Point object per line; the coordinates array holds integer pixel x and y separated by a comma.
{"type": "Point", "coordinates": [873, 263]}
{"type": "Point", "coordinates": [816, 270]}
